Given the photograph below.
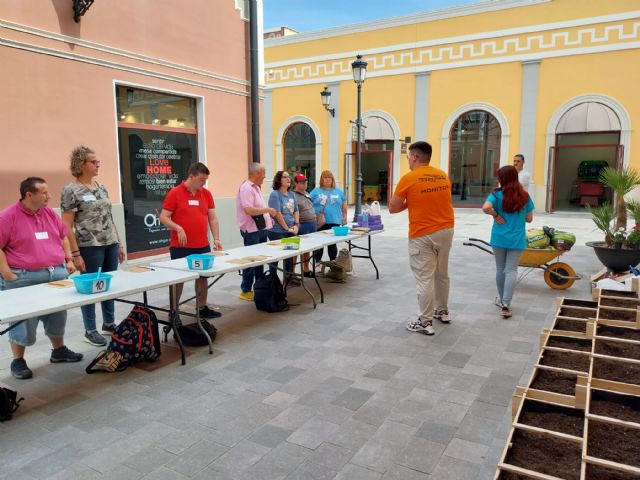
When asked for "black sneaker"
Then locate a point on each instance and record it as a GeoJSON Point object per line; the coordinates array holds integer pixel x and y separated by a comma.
{"type": "Point", "coordinates": [20, 370]}
{"type": "Point", "coordinates": [206, 312]}
{"type": "Point", "coordinates": [63, 354]}
{"type": "Point", "coordinates": [108, 329]}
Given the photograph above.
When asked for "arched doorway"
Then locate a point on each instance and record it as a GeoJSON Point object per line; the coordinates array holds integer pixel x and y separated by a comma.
{"type": "Point", "coordinates": [299, 142]}
{"type": "Point", "coordinates": [474, 157]}
{"type": "Point", "coordinates": [587, 139]}
{"type": "Point", "coordinates": [377, 159]}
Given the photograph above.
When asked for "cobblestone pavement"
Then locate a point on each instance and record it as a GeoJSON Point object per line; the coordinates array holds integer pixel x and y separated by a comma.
{"type": "Point", "coordinates": [343, 391]}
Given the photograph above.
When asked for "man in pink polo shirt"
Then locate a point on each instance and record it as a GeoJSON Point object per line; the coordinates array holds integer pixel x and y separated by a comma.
{"type": "Point", "coordinates": [254, 219]}
{"type": "Point", "coordinates": [34, 249]}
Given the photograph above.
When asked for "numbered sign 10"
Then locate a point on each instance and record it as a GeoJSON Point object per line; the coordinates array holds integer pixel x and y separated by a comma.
{"type": "Point", "coordinates": [99, 285]}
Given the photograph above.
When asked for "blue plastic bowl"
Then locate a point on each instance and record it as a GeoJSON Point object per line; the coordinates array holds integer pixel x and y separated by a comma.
{"type": "Point", "coordinates": [341, 231]}
{"type": "Point", "coordinates": [200, 261]}
{"type": "Point", "coordinates": [87, 283]}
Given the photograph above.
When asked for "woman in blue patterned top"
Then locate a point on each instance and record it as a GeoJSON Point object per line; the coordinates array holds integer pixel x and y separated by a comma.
{"type": "Point", "coordinates": [286, 220]}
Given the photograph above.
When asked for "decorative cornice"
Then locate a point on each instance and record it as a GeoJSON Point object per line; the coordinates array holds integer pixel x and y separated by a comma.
{"type": "Point", "coordinates": [117, 51]}
{"type": "Point", "coordinates": [441, 14]}
{"type": "Point", "coordinates": [616, 32]}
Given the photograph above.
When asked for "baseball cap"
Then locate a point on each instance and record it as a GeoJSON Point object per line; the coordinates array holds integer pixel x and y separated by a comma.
{"type": "Point", "coordinates": [300, 178]}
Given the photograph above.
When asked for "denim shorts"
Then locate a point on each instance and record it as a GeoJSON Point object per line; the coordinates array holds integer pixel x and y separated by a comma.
{"type": "Point", "coordinates": [25, 333]}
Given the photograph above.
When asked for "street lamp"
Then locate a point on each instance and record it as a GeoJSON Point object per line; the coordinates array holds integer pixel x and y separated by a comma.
{"type": "Point", "coordinates": [325, 95]}
{"type": "Point", "coordinates": [359, 68]}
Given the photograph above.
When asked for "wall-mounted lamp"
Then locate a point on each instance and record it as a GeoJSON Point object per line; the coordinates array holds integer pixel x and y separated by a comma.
{"type": "Point", "coordinates": [406, 140]}
{"type": "Point", "coordinates": [325, 95]}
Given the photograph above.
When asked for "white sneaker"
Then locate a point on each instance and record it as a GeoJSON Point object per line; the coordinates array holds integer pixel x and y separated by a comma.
{"type": "Point", "coordinates": [506, 311]}
{"type": "Point", "coordinates": [442, 314]}
{"type": "Point", "coordinates": [419, 327]}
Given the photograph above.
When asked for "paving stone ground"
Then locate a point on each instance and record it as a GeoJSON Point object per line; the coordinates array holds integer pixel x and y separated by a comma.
{"type": "Point", "coordinates": [340, 392]}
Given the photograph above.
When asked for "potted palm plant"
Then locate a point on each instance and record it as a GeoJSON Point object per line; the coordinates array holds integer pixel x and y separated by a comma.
{"type": "Point", "coordinates": [621, 182]}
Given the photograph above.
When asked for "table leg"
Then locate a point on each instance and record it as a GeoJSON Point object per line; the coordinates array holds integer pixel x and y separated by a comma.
{"type": "Point", "coordinates": [198, 321]}
{"type": "Point", "coordinates": [174, 310]}
{"type": "Point", "coordinates": [368, 255]}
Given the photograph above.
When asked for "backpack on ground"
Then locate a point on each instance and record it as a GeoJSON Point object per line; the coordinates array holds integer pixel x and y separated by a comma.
{"type": "Point", "coordinates": [192, 336]}
{"type": "Point", "coordinates": [344, 260]}
{"type": "Point", "coordinates": [135, 339]}
{"type": "Point", "coordinates": [8, 403]}
{"type": "Point", "coordinates": [269, 294]}
{"type": "Point", "coordinates": [334, 271]}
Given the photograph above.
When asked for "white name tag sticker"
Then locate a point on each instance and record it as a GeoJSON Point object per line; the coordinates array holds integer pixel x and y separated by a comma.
{"type": "Point", "coordinates": [42, 235]}
{"type": "Point", "coordinates": [194, 203]}
{"type": "Point", "coordinates": [89, 197]}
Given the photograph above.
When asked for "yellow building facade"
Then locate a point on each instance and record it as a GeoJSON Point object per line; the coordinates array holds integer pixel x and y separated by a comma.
{"type": "Point", "coordinates": [554, 80]}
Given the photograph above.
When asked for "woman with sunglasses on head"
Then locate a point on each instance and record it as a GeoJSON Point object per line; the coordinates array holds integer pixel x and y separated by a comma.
{"type": "Point", "coordinates": [95, 243]}
{"type": "Point", "coordinates": [286, 221]}
{"type": "Point", "coordinates": [510, 207]}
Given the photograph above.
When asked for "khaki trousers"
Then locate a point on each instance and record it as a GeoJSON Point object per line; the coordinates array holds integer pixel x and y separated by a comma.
{"type": "Point", "coordinates": [429, 261]}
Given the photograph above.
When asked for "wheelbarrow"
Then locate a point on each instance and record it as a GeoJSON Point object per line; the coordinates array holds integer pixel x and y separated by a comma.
{"type": "Point", "coordinates": [557, 275]}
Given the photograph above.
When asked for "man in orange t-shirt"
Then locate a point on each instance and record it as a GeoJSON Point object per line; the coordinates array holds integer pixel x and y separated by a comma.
{"type": "Point", "coordinates": [426, 192]}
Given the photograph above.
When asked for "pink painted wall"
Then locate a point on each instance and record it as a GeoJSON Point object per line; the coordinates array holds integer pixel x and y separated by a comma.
{"type": "Point", "coordinates": [50, 104]}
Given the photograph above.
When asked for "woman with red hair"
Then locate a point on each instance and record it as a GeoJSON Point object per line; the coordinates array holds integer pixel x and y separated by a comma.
{"type": "Point", "coordinates": [510, 207]}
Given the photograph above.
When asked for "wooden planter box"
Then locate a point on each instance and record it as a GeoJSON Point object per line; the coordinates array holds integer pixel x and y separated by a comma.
{"type": "Point", "coordinates": [616, 374]}
{"type": "Point", "coordinates": [612, 444]}
{"type": "Point", "coordinates": [596, 293]}
{"type": "Point", "coordinates": [573, 327]}
{"type": "Point", "coordinates": [565, 342]}
{"type": "Point", "coordinates": [619, 317]}
{"type": "Point", "coordinates": [557, 385]}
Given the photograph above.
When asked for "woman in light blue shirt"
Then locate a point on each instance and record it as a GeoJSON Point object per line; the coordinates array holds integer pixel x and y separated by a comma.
{"type": "Point", "coordinates": [510, 207]}
{"type": "Point", "coordinates": [332, 201]}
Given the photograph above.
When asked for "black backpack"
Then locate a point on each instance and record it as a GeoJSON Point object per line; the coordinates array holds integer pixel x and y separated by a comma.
{"type": "Point", "coordinates": [269, 294]}
{"type": "Point", "coordinates": [137, 338]}
{"type": "Point", "coordinates": [8, 403]}
{"type": "Point", "coordinates": [192, 336]}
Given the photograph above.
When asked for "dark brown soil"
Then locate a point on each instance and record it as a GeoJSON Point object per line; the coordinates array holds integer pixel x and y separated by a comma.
{"type": "Point", "coordinates": [618, 349]}
{"type": "Point", "coordinates": [618, 332]}
{"type": "Point", "coordinates": [622, 315]}
{"type": "Point", "coordinates": [616, 293]}
{"type": "Point", "coordinates": [570, 343]}
{"type": "Point", "coordinates": [572, 302]}
{"type": "Point", "coordinates": [596, 472]}
{"type": "Point", "coordinates": [557, 382]}
{"type": "Point", "coordinates": [577, 312]}
{"type": "Point", "coordinates": [614, 442]}
{"type": "Point", "coordinates": [616, 370]}
{"type": "Point", "coordinates": [570, 325]}
{"type": "Point", "coordinates": [615, 405]}
{"type": "Point", "coordinates": [553, 417]}
{"type": "Point", "coordinates": [545, 454]}
{"type": "Point", "coordinates": [504, 475]}
{"type": "Point", "coordinates": [618, 302]}
{"type": "Point", "coordinates": [568, 360]}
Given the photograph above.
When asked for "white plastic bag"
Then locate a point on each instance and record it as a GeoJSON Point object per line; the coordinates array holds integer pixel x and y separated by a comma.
{"type": "Point", "coordinates": [374, 209]}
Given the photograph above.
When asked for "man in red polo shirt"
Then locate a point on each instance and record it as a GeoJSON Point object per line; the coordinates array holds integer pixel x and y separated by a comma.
{"type": "Point", "coordinates": [187, 211]}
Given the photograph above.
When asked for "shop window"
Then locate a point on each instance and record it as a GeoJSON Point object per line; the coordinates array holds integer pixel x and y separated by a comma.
{"type": "Point", "coordinates": [474, 157]}
{"type": "Point", "coordinates": [300, 151]}
{"type": "Point", "coordinates": [157, 139]}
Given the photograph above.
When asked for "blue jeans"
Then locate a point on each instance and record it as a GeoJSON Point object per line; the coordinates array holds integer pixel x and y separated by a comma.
{"type": "Point", "coordinates": [288, 263]}
{"type": "Point", "coordinates": [249, 274]}
{"type": "Point", "coordinates": [507, 261]}
{"type": "Point", "coordinates": [107, 258]}
{"type": "Point", "coordinates": [54, 323]}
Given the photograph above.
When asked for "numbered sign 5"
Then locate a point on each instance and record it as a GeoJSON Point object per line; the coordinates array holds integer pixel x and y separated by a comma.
{"type": "Point", "coordinates": [99, 286]}
{"type": "Point", "coordinates": [197, 265]}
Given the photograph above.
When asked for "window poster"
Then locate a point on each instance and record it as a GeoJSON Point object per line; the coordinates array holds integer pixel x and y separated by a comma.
{"type": "Point", "coordinates": [152, 163]}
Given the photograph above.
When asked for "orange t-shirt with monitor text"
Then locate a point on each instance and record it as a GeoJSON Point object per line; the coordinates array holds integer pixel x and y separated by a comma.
{"type": "Point", "coordinates": [428, 193]}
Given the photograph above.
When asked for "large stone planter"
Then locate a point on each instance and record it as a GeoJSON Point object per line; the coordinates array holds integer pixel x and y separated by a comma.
{"type": "Point", "coordinates": [617, 260]}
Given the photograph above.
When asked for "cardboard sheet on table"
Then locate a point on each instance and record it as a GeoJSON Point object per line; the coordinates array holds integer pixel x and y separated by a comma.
{"type": "Point", "coordinates": [139, 269]}
{"type": "Point", "coordinates": [274, 243]}
{"type": "Point", "coordinates": [249, 259]}
{"type": "Point", "coordinates": [60, 284]}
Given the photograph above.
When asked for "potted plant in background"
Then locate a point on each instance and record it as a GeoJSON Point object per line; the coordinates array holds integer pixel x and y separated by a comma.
{"type": "Point", "coordinates": [621, 182]}
{"type": "Point", "coordinates": [633, 240]}
{"type": "Point", "coordinates": [618, 238]}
